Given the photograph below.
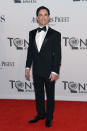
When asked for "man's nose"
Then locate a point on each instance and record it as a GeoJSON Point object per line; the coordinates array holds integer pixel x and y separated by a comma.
{"type": "Point", "coordinates": [43, 17]}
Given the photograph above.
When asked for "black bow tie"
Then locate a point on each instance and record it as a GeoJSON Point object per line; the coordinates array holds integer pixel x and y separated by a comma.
{"type": "Point", "coordinates": [40, 29]}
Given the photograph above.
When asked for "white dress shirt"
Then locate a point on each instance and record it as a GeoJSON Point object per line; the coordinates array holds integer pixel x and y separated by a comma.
{"type": "Point", "coordinates": [39, 40]}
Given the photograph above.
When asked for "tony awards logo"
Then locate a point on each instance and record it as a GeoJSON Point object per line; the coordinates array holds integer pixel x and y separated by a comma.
{"type": "Point", "coordinates": [22, 86]}
{"type": "Point", "coordinates": [75, 87]}
{"type": "Point", "coordinates": [75, 43]}
{"type": "Point", "coordinates": [19, 43]}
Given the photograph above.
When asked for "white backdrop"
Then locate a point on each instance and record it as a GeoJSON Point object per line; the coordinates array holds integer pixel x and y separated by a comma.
{"type": "Point", "coordinates": [16, 20]}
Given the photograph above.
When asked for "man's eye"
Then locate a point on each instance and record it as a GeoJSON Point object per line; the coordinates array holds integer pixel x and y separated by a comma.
{"type": "Point", "coordinates": [40, 15]}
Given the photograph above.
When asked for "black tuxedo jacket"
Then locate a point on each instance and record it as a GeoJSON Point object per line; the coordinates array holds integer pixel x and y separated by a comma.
{"type": "Point", "coordinates": [49, 57]}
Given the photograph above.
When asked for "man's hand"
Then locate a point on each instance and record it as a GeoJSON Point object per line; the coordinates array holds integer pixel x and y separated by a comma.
{"type": "Point", "coordinates": [27, 74]}
{"type": "Point", "coordinates": [53, 77]}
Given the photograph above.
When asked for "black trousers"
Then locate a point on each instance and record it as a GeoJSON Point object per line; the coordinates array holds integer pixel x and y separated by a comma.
{"type": "Point", "coordinates": [39, 84]}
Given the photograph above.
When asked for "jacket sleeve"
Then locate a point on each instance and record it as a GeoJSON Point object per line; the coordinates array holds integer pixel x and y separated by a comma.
{"type": "Point", "coordinates": [29, 52]}
{"type": "Point", "coordinates": [56, 53]}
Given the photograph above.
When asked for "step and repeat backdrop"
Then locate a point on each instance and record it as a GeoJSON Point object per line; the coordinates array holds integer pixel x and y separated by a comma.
{"type": "Point", "coordinates": [17, 18]}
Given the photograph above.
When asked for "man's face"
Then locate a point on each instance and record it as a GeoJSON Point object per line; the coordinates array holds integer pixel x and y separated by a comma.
{"type": "Point", "coordinates": [43, 17]}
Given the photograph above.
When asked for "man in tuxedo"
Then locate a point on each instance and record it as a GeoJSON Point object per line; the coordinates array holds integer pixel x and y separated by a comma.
{"type": "Point", "coordinates": [44, 55]}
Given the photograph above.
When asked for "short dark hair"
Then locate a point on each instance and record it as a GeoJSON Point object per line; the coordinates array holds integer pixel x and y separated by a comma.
{"type": "Point", "coordinates": [41, 8]}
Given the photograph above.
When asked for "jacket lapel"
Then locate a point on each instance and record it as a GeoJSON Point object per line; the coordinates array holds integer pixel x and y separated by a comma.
{"type": "Point", "coordinates": [46, 39]}
{"type": "Point", "coordinates": [35, 40]}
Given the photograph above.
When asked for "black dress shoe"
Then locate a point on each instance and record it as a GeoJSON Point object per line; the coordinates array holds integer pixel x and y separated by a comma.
{"type": "Point", "coordinates": [35, 119]}
{"type": "Point", "coordinates": [48, 123]}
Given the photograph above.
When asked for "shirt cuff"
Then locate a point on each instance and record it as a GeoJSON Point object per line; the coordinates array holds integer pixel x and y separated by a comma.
{"type": "Point", "coordinates": [54, 73]}
{"type": "Point", "coordinates": [27, 68]}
